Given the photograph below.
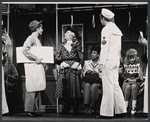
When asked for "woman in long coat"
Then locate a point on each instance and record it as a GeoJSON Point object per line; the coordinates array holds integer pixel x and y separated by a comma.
{"type": "Point", "coordinates": [70, 57]}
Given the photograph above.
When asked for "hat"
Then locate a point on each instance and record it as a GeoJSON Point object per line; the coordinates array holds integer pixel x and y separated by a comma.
{"type": "Point", "coordinates": [72, 29]}
{"type": "Point", "coordinates": [34, 24]}
{"type": "Point", "coordinates": [107, 13]}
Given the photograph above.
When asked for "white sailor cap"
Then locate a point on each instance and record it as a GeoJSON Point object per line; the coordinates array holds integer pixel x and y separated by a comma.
{"type": "Point", "coordinates": [107, 13]}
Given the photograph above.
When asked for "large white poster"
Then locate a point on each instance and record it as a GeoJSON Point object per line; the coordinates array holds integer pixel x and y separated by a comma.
{"type": "Point", "coordinates": [45, 53]}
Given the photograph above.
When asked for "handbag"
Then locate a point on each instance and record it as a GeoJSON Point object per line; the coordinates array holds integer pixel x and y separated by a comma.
{"type": "Point", "coordinates": [141, 86]}
{"type": "Point", "coordinates": [92, 78]}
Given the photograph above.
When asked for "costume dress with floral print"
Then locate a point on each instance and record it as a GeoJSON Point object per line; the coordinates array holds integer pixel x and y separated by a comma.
{"type": "Point", "coordinates": [72, 75]}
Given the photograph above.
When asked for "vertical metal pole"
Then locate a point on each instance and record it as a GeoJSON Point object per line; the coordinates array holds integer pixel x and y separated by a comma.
{"type": "Point", "coordinates": [56, 27]}
{"type": "Point", "coordinates": [57, 43]}
{"type": "Point", "coordinates": [10, 47]}
{"type": "Point", "coordinates": [8, 19]}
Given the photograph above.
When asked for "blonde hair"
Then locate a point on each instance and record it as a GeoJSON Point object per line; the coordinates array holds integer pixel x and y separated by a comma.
{"type": "Point", "coordinates": [129, 53]}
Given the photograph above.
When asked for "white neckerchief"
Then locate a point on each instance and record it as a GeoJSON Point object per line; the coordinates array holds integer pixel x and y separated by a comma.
{"type": "Point", "coordinates": [68, 46]}
{"type": "Point", "coordinates": [93, 65]}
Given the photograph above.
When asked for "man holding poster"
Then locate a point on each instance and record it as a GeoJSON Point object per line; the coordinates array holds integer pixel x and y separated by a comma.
{"type": "Point", "coordinates": [34, 71]}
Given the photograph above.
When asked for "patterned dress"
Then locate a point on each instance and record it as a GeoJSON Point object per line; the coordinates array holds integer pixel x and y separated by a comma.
{"type": "Point", "coordinates": [73, 87]}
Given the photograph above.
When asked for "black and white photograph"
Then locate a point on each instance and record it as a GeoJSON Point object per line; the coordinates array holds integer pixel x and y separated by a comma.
{"type": "Point", "coordinates": [74, 61]}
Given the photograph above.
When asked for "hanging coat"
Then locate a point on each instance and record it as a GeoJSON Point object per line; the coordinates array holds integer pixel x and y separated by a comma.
{"type": "Point", "coordinates": [145, 108]}
{"type": "Point", "coordinates": [4, 102]}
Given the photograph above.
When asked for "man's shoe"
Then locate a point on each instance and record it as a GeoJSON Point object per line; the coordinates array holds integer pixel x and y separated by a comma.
{"type": "Point", "coordinates": [93, 111]}
{"type": "Point", "coordinates": [98, 117]}
{"type": "Point", "coordinates": [64, 112]}
{"type": "Point", "coordinates": [120, 115]}
{"type": "Point", "coordinates": [39, 114]}
{"type": "Point", "coordinates": [87, 111]}
{"type": "Point", "coordinates": [7, 114]}
{"type": "Point", "coordinates": [29, 114]}
{"type": "Point", "coordinates": [103, 117]}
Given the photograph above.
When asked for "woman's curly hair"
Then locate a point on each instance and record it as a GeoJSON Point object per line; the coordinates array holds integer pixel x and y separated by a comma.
{"type": "Point", "coordinates": [131, 53]}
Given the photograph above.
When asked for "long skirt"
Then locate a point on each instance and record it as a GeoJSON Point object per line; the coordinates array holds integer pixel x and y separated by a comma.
{"type": "Point", "coordinates": [68, 84]}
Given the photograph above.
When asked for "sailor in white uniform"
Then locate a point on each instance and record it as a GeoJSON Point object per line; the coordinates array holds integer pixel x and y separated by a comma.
{"type": "Point", "coordinates": [113, 99]}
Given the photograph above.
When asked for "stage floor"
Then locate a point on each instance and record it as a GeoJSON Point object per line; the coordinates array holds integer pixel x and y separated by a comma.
{"type": "Point", "coordinates": [71, 117]}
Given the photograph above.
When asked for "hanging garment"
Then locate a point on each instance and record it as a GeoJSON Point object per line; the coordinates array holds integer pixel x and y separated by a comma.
{"type": "Point", "coordinates": [4, 103]}
{"type": "Point", "coordinates": [145, 109]}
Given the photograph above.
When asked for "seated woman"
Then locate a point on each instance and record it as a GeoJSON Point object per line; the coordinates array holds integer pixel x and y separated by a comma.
{"type": "Point", "coordinates": [132, 76]}
{"type": "Point", "coordinates": [92, 81]}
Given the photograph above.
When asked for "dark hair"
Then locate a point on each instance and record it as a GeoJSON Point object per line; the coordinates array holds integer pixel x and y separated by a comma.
{"type": "Point", "coordinates": [69, 28]}
{"type": "Point", "coordinates": [96, 48]}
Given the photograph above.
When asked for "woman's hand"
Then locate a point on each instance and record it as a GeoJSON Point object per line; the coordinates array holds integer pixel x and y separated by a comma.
{"type": "Point", "coordinates": [120, 70]}
{"type": "Point", "coordinates": [142, 41]}
{"type": "Point", "coordinates": [64, 65]}
{"type": "Point", "coordinates": [89, 71]}
{"type": "Point", "coordinates": [79, 67]}
{"type": "Point", "coordinates": [75, 65]}
{"type": "Point", "coordinates": [94, 72]}
{"type": "Point", "coordinates": [100, 68]}
{"type": "Point", "coordinates": [132, 79]}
